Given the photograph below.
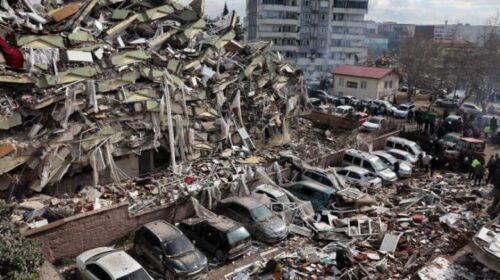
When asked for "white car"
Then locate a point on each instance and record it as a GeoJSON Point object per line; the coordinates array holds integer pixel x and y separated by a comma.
{"type": "Point", "coordinates": [109, 263]}
{"type": "Point", "coordinates": [403, 110]}
{"type": "Point", "coordinates": [405, 169]}
{"type": "Point", "coordinates": [274, 193]}
{"type": "Point", "coordinates": [360, 176]}
{"type": "Point", "coordinates": [470, 109]}
{"type": "Point", "coordinates": [373, 124]}
{"type": "Point", "coordinates": [343, 111]}
{"type": "Point", "coordinates": [403, 156]}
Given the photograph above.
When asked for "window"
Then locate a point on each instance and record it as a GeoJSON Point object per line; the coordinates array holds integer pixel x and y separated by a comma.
{"type": "Point", "coordinates": [324, 4]}
{"type": "Point", "coordinates": [152, 239]}
{"type": "Point", "coordinates": [390, 144]}
{"type": "Point", "coordinates": [400, 147]}
{"type": "Point", "coordinates": [352, 85]}
{"type": "Point", "coordinates": [98, 272]}
{"type": "Point", "coordinates": [348, 158]}
{"type": "Point", "coordinates": [367, 165]}
{"type": "Point", "coordinates": [342, 172]}
{"type": "Point", "coordinates": [324, 16]}
{"type": "Point", "coordinates": [354, 175]}
{"type": "Point", "coordinates": [341, 82]}
{"type": "Point", "coordinates": [363, 84]}
{"type": "Point", "coordinates": [357, 161]}
{"type": "Point", "coordinates": [390, 84]}
{"type": "Point", "coordinates": [306, 3]}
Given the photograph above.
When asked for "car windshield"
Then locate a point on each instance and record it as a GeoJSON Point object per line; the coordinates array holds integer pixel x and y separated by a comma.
{"type": "Point", "coordinates": [416, 149]}
{"type": "Point", "coordinates": [390, 159]}
{"type": "Point", "coordinates": [375, 120]}
{"type": "Point", "coordinates": [282, 198]}
{"type": "Point", "coordinates": [403, 108]}
{"type": "Point", "coordinates": [178, 246]}
{"type": "Point", "coordinates": [237, 235]}
{"type": "Point", "coordinates": [261, 213]}
{"type": "Point", "coordinates": [379, 165]}
{"type": "Point", "coordinates": [139, 274]}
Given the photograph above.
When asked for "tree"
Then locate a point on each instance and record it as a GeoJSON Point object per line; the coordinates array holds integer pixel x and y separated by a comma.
{"type": "Point", "coordinates": [20, 258]}
{"type": "Point", "coordinates": [226, 10]}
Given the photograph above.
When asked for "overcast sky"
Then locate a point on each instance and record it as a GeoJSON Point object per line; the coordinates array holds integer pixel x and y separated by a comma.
{"type": "Point", "coordinates": [474, 12]}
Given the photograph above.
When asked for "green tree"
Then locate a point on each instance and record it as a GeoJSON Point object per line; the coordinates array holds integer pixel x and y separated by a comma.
{"type": "Point", "coordinates": [19, 257]}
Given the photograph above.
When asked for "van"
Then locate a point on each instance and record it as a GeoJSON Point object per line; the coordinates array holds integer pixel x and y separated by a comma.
{"type": "Point", "coordinates": [371, 163]}
{"type": "Point", "coordinates": [405, 145]}
{"type": "Point", "coordinates": [320, 196]}
{"type": "Point", "coordinates": [343, 111]}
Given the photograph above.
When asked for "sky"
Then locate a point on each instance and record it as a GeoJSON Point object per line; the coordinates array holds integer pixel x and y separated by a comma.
{"type": "Point", "coordinates": [475, 12]}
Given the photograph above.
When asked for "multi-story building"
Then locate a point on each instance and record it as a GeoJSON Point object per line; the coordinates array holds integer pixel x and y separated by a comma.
{"type": "Point", "coordinates": [328, 33]}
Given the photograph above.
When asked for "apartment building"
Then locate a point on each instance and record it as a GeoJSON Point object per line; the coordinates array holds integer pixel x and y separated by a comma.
{"type": "Point", "coordinates": [317, 35]}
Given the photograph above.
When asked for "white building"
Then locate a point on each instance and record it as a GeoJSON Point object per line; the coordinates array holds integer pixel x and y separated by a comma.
{"type": "Point", "coordinates": [328, 33]}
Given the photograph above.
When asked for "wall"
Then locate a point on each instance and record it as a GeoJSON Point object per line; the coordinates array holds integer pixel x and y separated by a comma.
{"type": "Point", "coordinates": [381, 87]}
{"type": "Point", "coordinates": [370, 92]}
{"type": "Point", "coordinates": [71, 236]}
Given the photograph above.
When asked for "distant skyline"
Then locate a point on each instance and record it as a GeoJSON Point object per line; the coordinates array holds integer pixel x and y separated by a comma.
{"type": "Point", "coordinates": [474, 12]}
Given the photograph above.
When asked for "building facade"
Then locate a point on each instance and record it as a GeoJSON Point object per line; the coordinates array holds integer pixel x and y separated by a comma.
{"type": "Point", "coordinates": [317, 35]}
{"type": "Point", "coordinates": [366, 82]}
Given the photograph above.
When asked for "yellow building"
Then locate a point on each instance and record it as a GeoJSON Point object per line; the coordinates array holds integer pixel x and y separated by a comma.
{"type": "Point", "coordinates": [366, 82]}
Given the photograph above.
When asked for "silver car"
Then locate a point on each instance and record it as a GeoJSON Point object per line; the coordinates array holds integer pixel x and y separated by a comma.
{"type": "Point", "coordinates": [403, 156]}
{"type": "Point", "coordinates": [405, 169]}
{"type": "Point", "coordinates": [360, 176]}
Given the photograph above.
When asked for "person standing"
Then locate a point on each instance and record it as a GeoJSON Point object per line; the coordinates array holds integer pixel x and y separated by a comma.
{"type": "Point", "coordinates": [473, 166]}
{"type": "Point", "coordinates": [396, 167]}
{"type": "Point", "coordinates": [427, 162]}
{"type": "Point", "coordinates": [434, 165]}
{"type": "Point", "coordinates": [491, 169]}
{"type": "Point", "coordinates": [478, 175]}
{"type": "Point", "coordinates": [494, 126]}
{"type": "Point", "coordinates": [487, 132]}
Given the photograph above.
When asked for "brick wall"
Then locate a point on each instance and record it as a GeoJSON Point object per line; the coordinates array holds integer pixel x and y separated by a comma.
{"type": "Point", "coordinates": [71, 236]}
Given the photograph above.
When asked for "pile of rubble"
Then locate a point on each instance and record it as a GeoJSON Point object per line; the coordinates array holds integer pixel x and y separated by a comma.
{"type": "Point", "coordinates": [411, 231]}
{"type": "Point", "coordinates": [87, 82]}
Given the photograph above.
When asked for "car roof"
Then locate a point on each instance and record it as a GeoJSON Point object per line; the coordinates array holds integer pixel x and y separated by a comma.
{"type": "Point", "coordinates": [315, 186]}
{"type": "Point", "coordinates": [270, 190]}
{"type": "Point", "coordinates": [453, 134]}
{"type": "Point", "coordinates": [472, 140]}
{"type": "Point", "coordinates": [356, 169]}
{"type": "Point", "coordinates": [118, 263]}
{"type": "Point", "coordinates": [247, 202]}
{"type": "Point", "coordinates": [453, 117]}
{"type": "Point", "coordinates": [163, 230]}
{"type": "Point", "coordinates": [221, 223]}
{"type": "Point", "coordinates": [360, 153]}
{"type": "Point", "coordinates": [399, 139]}
{"type": "Point", "coordinates": [398, 151]}
{"type": "Point", "coordinates": [346, 107]}
{"type": "Point", "coordinates": [382, 153]}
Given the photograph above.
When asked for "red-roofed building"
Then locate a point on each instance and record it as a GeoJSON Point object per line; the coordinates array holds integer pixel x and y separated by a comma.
{"type": "Point", "coordinates": [366, 82]}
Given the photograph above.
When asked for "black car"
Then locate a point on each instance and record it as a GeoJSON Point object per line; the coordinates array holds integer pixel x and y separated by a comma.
{"type": "Point", "coordinates": [169, 251]}
{"type": "Point", "coordinates": [220, 236]}
{"type": "Point", "coordinates": [261, 222]}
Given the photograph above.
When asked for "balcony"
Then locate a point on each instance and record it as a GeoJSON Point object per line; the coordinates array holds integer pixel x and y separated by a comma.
{"type": "Point", "coordinates": [278, 21]}
{"type": "Point", "coordinates": [350, 11]}
{"type": "Point", "coordinates": [282, 8]}
{"type": "Point", "coordinates": [285, 48]}
{"type": "Point", "coordinates": [348, 49]}
{"type": "Point", "coordinates": [349, 23]}
{"type": "Point", "coordinates": [348, 36]}
{"type": "Point", "coordinates": [281, 35]}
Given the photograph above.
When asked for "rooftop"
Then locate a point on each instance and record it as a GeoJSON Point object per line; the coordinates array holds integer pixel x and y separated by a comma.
{"type": "Point", "coordinates": [363, 71]}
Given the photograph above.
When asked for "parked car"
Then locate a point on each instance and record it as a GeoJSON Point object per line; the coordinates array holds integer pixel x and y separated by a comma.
{"type": "Point", "coordinates": [218, 235]}
{"type": "Point", "coordinates": [470, 108]}
{"type": "Point", "coordinates": [405, 145]}
{"type": "Point", "coordinates": [405, 169]}
{"type": "Point", "coordinates": [448, 103]}
{"type": "Point", "coordinates": [343, 111]}
{"type": "Point", "coordinates": [330, 180]}
{"type": "Point", "coordinates": [403, 156]}
{"type": "Point", "coordinates": [261, 222]}
{"type": "Point", "coordinates": [360, 176]}
{"type": "Point", "coordinates": [322, 96]}
{"type": "Point", "coordinates": [169, 250]}
{"type": "Point", "coordinates": [373, 124]}
{"type": "Point", "coordinates": [371, 163]}
{"type": "Point", "coordinates": [109, 263]}
{"type": "Point", "coordinates": [403, 110]}
{"type": "Point", "coordinates": [272, 193]}
{"type": "Point", "coordinates": [450, 140]}
{"type": "Point", "coordinates": [383, 106]}
{"type": "Point", "coordinates": [320, 196]}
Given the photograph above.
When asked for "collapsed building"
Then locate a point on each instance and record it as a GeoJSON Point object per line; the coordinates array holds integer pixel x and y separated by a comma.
{"type": "Point", "coordinates": [88, 85]}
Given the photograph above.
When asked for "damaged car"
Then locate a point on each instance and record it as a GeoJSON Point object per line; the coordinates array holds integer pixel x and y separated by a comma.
{"type": "Point", "coordinates": [109, 263]}
{"type": "Point", "coordinates": [262, 223]}
{"type": "Point", "coordinates": [169, 251]}
{"type": "Point", "coordinates": [219, 235]}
